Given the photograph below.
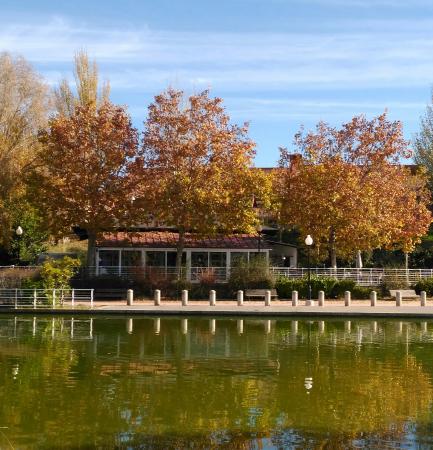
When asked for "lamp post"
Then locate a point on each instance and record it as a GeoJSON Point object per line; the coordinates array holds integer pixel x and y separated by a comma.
{"type": "Point", "coordinates": [309, 243]}
{"type": "Point", "coordinates": [259, 229]}
{"type": "Point", "coordinates": [19, 232]}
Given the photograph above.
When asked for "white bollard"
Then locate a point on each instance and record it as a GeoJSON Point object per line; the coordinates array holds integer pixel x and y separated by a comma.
{"type": "Point", "coordinates": [54, 298]}
{"type": "Point", "coordinates": [184, 297]}
{"type": "Point", "coordinates": [321, 298]}
{"type": "Point", "coordinates": [92, 295]}
{"type": "Point", "coordinates": [240, 298]}
{"type": "Point", "coordinates": [129, 297]}
{"type": "Point", "coordinates": [35, 298]}
{"type": "Point", "coordinates": [157, 297]}
{"type": "Point", "coordinates": [267, 298]}
{"type": "Point", "coordinates": [73, 298]}
{"type": "Point", "coordinates": [373, 298]}
{"type": "Point", "coordinates": [294, 298]}
{"type": "Point", "coordinates": [398, 298]}
{"type": "Point", "coordinates": [423, 298]}
{"type": "Point", "coordinates": [212, 298]}
{"type": "Point", "coordinates": [347, 298]}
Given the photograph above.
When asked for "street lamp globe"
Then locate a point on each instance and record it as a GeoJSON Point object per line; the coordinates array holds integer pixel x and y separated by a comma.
{"type": "Point", "coordinates": [308, 240]}
{"type": "Point", "coordinates": [19, 231]}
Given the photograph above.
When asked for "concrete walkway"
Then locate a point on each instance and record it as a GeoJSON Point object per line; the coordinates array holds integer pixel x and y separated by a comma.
{"type": "Point", "coordinates": [230, 308]}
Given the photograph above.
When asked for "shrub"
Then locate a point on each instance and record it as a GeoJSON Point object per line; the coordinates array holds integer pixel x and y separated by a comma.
{"type": "Point", "coordinates": [57, 274]}
{"type": "Point", "coordinates": [252, 275]}
{"type": "Point", "coordinates": [332, 287]}
{"type": "Point", "coordinates": [17, 277]}
{"type": "Point", "coordinates": [341, 287]}
{"type": "Point", "coordinates": [360, 293]}
{"type": "Point", "coordinates": [426, 284]}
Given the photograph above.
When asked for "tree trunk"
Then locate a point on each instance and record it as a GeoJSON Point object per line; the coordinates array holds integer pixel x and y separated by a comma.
{"type": "Point", "coordinates": [91, 242]}
{"type": "Point", "coordinates": [179, 248]}
{"type": "Point", "coordinates": [332, 250]}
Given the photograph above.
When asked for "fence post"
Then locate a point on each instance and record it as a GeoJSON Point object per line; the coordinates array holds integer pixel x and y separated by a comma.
{"type": "Point", "coordinates": [35, 298]}
{"type": "Point", "coordinates": [321, 298]}
{"type": "Point", "coordinates": [398, 298]}
{"type": "Point", "coordinates": [92, 295]}
{"type": "Point", "coordinates": [423, 298]}
{"type": "Point", "coordinates": [268, 298]}
{"type": "Point", "coordinates": [240, 298]}
{"type": "Point", "coordinates": [129, 297]}
{"type": "Point", "coordinates": [212, 298]}
{"type": "Point", "coordinates": [54, 298]}
{"type": "Point", "coordinates": [73, 298]}
{"type": "Point", "coordinates": [184, 297]}
{"type": "Point", "coordinates": [373, 298]}
{"type": "Point", "coordinates": [157, 297]}
{"type": "Point", "coordinates": [347, 298]}
{"type": "Point", "coordinates": [294, 298]}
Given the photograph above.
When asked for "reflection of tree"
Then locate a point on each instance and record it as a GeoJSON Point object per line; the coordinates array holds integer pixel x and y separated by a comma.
{"type": "Point", "coordinates": [67, 395]}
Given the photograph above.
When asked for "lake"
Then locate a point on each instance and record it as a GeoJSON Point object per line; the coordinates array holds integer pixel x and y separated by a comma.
{"type": "Point", "coordinates": [120, 382]}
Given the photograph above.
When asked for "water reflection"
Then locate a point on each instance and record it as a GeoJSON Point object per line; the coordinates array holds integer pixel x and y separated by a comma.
{"type": "Point", "coordinates": [170, 382]}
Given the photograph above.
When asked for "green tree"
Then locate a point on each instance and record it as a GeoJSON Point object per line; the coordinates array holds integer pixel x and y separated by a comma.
{"type": "Point", "coordinates": [27, 247]}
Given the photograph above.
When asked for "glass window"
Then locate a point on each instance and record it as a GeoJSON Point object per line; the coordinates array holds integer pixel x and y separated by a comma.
{"type": "Point", "coordinates": [257, 255]}
{"type": "Point", "coordinates": [155, 259]}
{"type": "Point", "coordinates": [199, 259]}
{"type": "Point", "coordinates": [131, 258]}
{"type": "Point", "coordinates": [217, 259]}
{"type": "Point", "coordinates": [238, 257]}
{"type": "Point", "coordinates": [108, 258]}
{"type": "Point", "coordinates": [171, 259]}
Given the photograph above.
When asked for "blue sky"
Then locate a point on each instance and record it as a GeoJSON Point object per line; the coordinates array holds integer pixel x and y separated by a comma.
{"type": "Point", "coordinates": [277, 63]}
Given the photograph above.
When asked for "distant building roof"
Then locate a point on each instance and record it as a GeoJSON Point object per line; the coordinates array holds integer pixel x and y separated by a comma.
{"type": "Point", "coordinates": [168, 239]}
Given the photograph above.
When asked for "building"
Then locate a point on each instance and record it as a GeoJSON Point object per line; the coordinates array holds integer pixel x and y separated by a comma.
{"type": "Point", "coordinates": [123, 253]}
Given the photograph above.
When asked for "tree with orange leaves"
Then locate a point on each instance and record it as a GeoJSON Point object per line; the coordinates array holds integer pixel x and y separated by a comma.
{"type": "Point", "coordinates": [349, 190]}
{"type": "Point", "coordinates": [195, 168]}
{"type": "Point", "coordinates": [83, 176]}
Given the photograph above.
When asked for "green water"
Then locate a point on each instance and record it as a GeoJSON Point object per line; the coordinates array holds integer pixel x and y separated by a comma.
{"type": "Point", "coordinates": [111, 382]}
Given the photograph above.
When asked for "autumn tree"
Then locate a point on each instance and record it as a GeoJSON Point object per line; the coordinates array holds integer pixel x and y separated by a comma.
{"type": "Point", "coordinates": [423, 143]}
{"type": "Point", "coordinates": [88, 90]}
{"type": "Point", "coordinates": [83, 178]}
{"type": "Point", "coordinates": [196, 167]}
{"type": "Point", "coordinates": [349, 190]}
{"type": "Point", "coordinates": [24, 105]}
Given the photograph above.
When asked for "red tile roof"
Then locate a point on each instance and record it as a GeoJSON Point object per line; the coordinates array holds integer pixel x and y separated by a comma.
{"type": "Point", "coordinates": [168, 239]}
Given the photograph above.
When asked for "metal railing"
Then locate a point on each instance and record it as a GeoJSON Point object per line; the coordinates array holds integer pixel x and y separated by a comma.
{"type": "Point", "coordinates": [363, 277]}
{"type": "Point", "coordinates": [46, 298]}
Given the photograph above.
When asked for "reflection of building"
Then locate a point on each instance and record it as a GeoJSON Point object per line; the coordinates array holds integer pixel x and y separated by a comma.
{"type": "Point", "coordinates": [121, 253]}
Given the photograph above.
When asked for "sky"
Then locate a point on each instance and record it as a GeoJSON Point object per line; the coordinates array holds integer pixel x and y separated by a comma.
{"type": "Point", "coordinates": [278, 64]}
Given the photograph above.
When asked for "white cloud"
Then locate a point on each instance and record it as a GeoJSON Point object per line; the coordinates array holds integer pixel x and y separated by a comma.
{"type": "Point", "coordinates": [353, 55]}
